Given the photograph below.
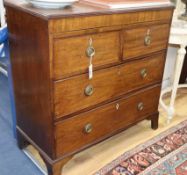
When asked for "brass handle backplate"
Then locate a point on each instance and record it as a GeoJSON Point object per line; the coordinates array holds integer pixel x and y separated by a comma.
{"type": "Point", "coordinates": [147, 40]}
{"type": "Point", "coordinates": [140, 106]}
{"type": "Point", "coordinates": [143, 73]}
{"type": "Point", "coordinates": [89, 90]}
{"type": "Point", "coordinates": [88, 128]}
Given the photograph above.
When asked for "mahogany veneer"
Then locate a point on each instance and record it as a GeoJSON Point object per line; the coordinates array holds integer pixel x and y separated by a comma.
{"type": "Point", "coordinates": [107, 84]}
{"type": "Point", "coordinates": [56, 101]}
{"type": "Point", "coordinates": [71, 51]}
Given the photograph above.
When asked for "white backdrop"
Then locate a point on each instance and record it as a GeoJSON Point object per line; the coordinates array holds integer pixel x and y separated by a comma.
{"type": "Point", "coordinates": [2, 13]}
{"type": "Point", "coordinates": [172, 52]}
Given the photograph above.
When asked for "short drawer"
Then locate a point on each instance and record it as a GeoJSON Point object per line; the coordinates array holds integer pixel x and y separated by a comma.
{"type": "Point", "coordinates": [144, 40]}
{"type": "Point", "coordinates": [82, 130]}
{"type": "Point", "coordinates": [70, 56]}
{"type": "Point", "coordinates": [77, 93]}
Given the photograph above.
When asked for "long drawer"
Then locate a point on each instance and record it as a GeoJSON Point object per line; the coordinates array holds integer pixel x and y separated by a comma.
{"type": "Point", "coordinates": [77, 93]}
{"type": "Point", "coordinates": [79, 131]}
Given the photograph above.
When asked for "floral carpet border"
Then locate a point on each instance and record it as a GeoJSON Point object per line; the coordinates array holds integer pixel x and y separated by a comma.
{"type": "Point", "coordinates": [110, 166]}
{"type": "Point", "coordinates": [167, 157]}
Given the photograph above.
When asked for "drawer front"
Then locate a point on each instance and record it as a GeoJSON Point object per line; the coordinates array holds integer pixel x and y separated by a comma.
{"type": "Point", "coordinates": [109, 20]}
{"type": "Point", "coordinates": [144, 40]}
{"type": "Point", "coordinates": [70, 56]}
{"type": "Point", "coordinates": [80, 131]}
{"type": "Point", "coordinates": [77, 93]}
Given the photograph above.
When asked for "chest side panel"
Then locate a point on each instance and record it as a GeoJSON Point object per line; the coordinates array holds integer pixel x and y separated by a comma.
{"type": "Point", "coordinates": [31, 76]}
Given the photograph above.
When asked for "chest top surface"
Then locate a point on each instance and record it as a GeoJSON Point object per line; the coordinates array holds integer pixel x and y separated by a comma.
{"type": "Point", "coordinates": [77, 9]}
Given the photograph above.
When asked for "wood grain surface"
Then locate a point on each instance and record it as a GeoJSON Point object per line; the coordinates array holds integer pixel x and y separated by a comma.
{"type": "Point", "coordinates": [69, 94]}
{"type": "Point", "coordinates": [77, 9]}
{"type": "Point", "coordinates": [70, 53]}
{"type": "Point", "coordinates": [28, 37]}
{"type": "Point", "coordinates": [57, 26]}
{"type": "Point", "coordinates": [134, 40]}
{"type": "Point", "coordinates": [105, 120]}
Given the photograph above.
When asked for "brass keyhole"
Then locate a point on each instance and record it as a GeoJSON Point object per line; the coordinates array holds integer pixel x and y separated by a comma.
{"type": "Point", "coordinates": [117, 106]}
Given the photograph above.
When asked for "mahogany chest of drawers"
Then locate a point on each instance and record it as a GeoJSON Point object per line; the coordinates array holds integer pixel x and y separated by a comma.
{"type": "Point", "coordinates": [62, 108]}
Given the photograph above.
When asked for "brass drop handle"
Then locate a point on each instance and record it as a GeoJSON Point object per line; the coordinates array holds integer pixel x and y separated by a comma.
{"type": "Point", "coordinates": [88, 128]}
{"type": "Point", "coordinates": [148, 39]}
{"type": "Point", "coordinates": [89, 90]}
{"type": "Point", "coordinates": [90, 52]}
{"type": "Point", "coordinates": [143, 73]}
{"type": "Point", "coordinates": [140, 106]}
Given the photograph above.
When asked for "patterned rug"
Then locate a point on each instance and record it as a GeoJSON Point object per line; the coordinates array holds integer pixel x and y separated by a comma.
{"type": "Point", "coordinates": [165, 154]}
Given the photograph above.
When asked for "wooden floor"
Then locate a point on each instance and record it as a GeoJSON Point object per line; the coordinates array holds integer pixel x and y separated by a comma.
{"type": "Point", "coordinates": [89, 161]}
